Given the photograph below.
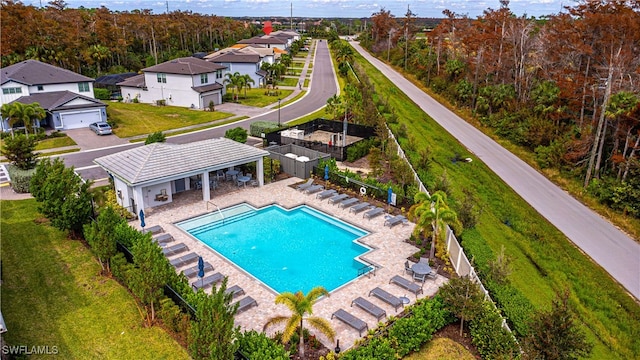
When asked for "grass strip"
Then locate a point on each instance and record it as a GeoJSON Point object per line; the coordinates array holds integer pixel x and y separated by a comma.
{"type": "Point", "coordinates": [53, 295]}
{"type": "Point", "coordinates": [544, 260]}
{"type": "Point", "coordinates": [55, 142]}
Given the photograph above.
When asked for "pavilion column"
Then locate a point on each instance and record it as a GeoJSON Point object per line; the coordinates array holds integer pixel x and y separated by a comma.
{"type": "Point", "coordinates": [260, 172]}
{"type": "Point", "coordinates": [206, 194]}
{"type": "Point", "coordinates": [138, 198]}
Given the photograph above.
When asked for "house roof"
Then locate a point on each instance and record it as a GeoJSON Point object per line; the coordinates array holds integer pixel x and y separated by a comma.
{"type": "Point", "coordinates": [207, 88]}
{"type": "Point", "coordinates": [235, 57]}
{"type": "Point", "coordinates": [185, 66]}
{"type": "Point", "coordinates": [34, 72]}
{"type": "Point", "coordinates": [56, 100]}
{"type": "Point", "coordinates": [114, 79]}
{"type": "Point", "coordinates": [134, 81]}
{"type": "Point", "coordinates": [263, 40]}
{"type": "Point", "coordinates": [162, 161]}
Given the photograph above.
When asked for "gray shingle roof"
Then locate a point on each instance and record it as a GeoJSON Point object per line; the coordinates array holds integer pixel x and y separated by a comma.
{"type": "Point", "coordinates": [207, 88]}
{"type": "Point", "coordinates": [159, 161]}
{"type": "Point", "coordinates": [235, 57]}
{"type": "Point", "coordinates": [56, 100]}
{"type": "Point", "coordinates": [185, 66]}
{"type": "Point", "coordinates": [263, 40]}
{"type": "Point", "coordinates": [134, 81]}
{"type": "Point", "coordinates": [34, 72]}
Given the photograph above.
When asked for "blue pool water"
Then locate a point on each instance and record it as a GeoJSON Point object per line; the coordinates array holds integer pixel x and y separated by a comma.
{"type": "Point", "coordinates": [288, 250]}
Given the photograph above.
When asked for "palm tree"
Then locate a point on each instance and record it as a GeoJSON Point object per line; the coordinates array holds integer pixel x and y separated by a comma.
{"type": "Point", "coordinates": [234, 81]}
{"type": "Point", "coordinates": [19, 113]}
{"type": "Point", "coordinates": [432, 214]}
{"type": "Point", "coordinates": [301, 305]}
{"type": "Point", "coordinates": [246, 82]}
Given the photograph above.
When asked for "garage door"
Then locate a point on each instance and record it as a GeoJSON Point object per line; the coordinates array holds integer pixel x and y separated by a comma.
{"type": "Point", "coordinates": [212, 97]}
{"type": "Point", "coordinates": [80, 119]}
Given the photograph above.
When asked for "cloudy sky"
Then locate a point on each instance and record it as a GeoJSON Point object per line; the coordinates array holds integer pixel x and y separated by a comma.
{"type": "Point", "coordinates": [323, 8]}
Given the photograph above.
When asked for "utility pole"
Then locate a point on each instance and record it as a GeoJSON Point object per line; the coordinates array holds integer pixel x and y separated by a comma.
{"type": "Point", "coordinates": [167, 6]}
{"type": "Point", "coordinates": [291, 17]}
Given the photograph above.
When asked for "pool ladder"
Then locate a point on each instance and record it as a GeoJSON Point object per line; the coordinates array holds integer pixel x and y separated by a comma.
{"type": "Point", "coordinates": [219, 211]}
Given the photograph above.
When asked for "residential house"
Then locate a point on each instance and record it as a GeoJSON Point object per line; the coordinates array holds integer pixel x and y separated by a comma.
{"type": "Point", "coordinates": [267, 41]}
{"type": "Point", "coordinates": [187, 82]}
{"type": "Point", "coordinates": [243, 63]}
{"type": "Point", "coordinates": [67, 97]}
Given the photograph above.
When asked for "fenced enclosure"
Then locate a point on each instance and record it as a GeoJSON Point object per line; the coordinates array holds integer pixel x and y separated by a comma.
{"type": "Point", "coordinates": [296, 160]}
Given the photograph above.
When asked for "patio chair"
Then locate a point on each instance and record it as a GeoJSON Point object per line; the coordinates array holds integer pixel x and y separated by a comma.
{"type": "Point", "coordinates": [360, 207]}
{"type": "Point", "coordinates": [235, 290]}
{"type": "Point", "coordinates": [245, 304]}
{"type": "Point", "coordinates": [386, 297]}
{"type": "Point", "coordinates": [313, 189]}
{"type": "Point", "coordinates": [184, 260]}
{"type": "Point", "coordinates": [420, 277]}
{"type": "Point", "coordinates": [434, 273]}
{"type": "Point", "coordinates": [406, 284]}
{"type": "Point", "coordinates": [163, 239]}
{"type": "Point", "coordinates": [305, 186]}
{"type": "Point", "coordinates": [220, 175]}
{"type": "Point", "coordinates": [369, 307]}
{"type": "Point", "coordinates": [347, 202]}
{"type": "Point", "coordinates": [193, 271]}
{"type": "Point", "coordinates": [350, 320]}
{"type": "Point", "coordinates": [325, 194]}
{"type": "Point", "coordinates": [207, 281]}
{"type": "Point", "coordinates": [407, 268]}
{"type": "Point", "coordinates": [337, 198]}
{"type": "Point", "coordinates": [155, 229]}
{"type": "Point", "coordinates": [373, 213]}
{"type": "Point", "coordinates": [393, 221]}
{"type": "Point", "coordinates": [175, 249]}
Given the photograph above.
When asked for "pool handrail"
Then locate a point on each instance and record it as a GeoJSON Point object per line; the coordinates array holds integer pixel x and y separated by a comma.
{"type": "Point", "coordinates": [219, 211]}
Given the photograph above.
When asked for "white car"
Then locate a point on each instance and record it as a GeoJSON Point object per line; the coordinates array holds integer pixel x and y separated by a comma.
{"type": "Point", "coordinates": [100, 128]}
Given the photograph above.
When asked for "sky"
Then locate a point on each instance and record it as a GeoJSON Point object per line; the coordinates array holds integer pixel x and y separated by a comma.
{"type": "Point", "coordinates": [323, 8]}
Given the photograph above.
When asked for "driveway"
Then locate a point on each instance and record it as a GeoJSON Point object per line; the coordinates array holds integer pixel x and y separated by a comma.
{"type": "Point", "coordinates": [87, 139]}
{"type": "Point", "coordinates": [609, 247]}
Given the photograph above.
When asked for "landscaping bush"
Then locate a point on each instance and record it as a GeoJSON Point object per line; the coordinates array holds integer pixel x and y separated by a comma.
{"type": "Point", "coordinates": [490, 338]}
{"type": "Point", "coordinates": [20, 179]}
{"type": "Point", "coordinates": [255, 345]}
{"type": "Point", "coordinates": [19, 151]}
{"type": "Point", "coordinates": [236, 134]}
{"type": "Point", "coordinates": [377, 348]}
{"type": "Point", "coordinates": [262, 127]}
{"type": "Point", "coordinates": [360, 149]}
{"type": "Point", "coordinates": [155, 137]}
{"type": "Point", "coordinates": [513, 304]}
{"type": "Point", "coordinates": [102, 94]}
{"type": "Point", "coordinates": [172, 317]}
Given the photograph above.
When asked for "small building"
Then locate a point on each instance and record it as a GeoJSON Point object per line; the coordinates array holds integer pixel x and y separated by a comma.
{"type": "Point", "coordinates": [150, 175]}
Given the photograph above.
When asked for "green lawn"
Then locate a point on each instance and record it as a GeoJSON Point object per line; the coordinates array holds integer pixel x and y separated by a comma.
{"type": "Point", "coordinates": [289, 81]}
{"type": "Point", "coordinates": [544, 260]}
{"type": "Point", "coordinates": [52, 294]}
{"type": "Point", "coordinates": [55, 142]}
{"type": "Point", "coordinates": [140, 119]}
{"type": "Point", "coordinates": [441, 348]}
{"type": "Point", "coordinates": [295, 98]}
{"type": "Point", "coordinates": [260, 98]}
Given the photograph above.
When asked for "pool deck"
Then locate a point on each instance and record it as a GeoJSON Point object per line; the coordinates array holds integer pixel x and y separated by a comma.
{"type": "Point", "coordinates": [390, 254]}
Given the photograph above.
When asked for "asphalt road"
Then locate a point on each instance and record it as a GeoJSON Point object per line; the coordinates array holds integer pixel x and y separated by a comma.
{"type": "Point", "coordinates": [616, 252]}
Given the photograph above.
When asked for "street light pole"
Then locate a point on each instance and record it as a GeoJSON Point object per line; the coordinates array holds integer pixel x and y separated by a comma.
{"type": "Point", "coordinates": [278, 112]}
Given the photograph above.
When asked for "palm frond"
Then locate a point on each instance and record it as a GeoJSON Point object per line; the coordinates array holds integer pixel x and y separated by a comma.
{"type": "Point", "coordinates": [323, 326]}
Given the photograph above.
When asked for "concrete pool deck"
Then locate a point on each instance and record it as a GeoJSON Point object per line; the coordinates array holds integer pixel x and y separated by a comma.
{"type": "Point", "coordinates": [390, 254]}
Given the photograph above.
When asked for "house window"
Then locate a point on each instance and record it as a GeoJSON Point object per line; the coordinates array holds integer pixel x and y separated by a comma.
{"type": "Point", "coordinates": [13, 90]}
{"type": "Point", "coordinates": [162, 78]}
{"type": "Point", "coordinates": [219, 74]}
{"type": "Point", "coordinates": [83, 87]}
{"type": "Point", "coordinates": [204, 78]}
{"type": "Point", "coordinates": [40, 88]}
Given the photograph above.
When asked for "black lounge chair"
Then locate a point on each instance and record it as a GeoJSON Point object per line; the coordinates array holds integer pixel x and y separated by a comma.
{"type": "Point", "coordinates": [347, 202]}
{"type": "Point", "coordinates": [367, 306]}
{"type": "Point", "coordinates": [386, 297]}
{"type": "Point", "coordinates": [337, 198]}
{"type": "Point", "coordinates": [207, 281]}
{"type": "Point", "coordinates": [245, 303]}
{"type": "Point", "coordinates": [373, 213]}
{"type": "Point", "coordinates": [184, 260]}
{"type": "Point", "coordinates": [350, 320]}
{"type": "Point", "coordinates": [192, 272]}
{"type": "Point", "coordinates": [313, 189]}
{"type": "Point", "coordinates": [325, 194]}
{"type": "Point", "coordinates": [406, 284]}
{"type": "Point", "coordinates": [305, 186]}
{"type": "Point", "coordinates": [175, 249]}
{"type": "Point", "coordinates": [393, 221]}
{"type": "Point", "coordinates": [156, 229]}
{"type": "Point", "coordinates": [360, 207]}
{"type": "Point", "coordinates": [235, 290]}
{"type": "Point", "coordinates": [163, 239]}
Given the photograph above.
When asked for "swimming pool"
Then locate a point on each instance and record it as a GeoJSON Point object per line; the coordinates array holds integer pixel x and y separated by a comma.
{"type": "Point", "coordinates": [287, 250]}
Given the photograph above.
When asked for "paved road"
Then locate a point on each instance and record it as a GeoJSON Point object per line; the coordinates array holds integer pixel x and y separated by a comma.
{"type": "Point", "coordinates": [616, 252]}
{"type": "Point", "coordinates": [323, 85]}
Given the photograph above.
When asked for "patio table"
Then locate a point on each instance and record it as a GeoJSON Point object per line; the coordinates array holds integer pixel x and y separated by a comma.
{"type": "Point", "coordinates": [421, 268]}
{"type": "Point", "coordinates": [232, 173]}
{"type": "Point", "coordinates": [244, 180]}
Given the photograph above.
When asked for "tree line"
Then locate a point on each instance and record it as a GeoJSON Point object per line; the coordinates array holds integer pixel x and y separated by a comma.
{"type": "Point", "coordinates": [93, 41]}
{"type": "Point", "coordinates": [564, 86]}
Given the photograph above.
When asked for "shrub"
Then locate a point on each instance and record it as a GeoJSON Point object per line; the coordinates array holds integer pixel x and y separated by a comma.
{"type": "Point", "coordinates": [236, 134]}
{"type": "Point", "coordinates": [377, 348]}
{"type": "Point", "coordinates": [551, 156]}
{"type": "Point", "coordinates": [19, 151]}
{"type": "Point", "coordinates": [155, 137]}
{"type": "Point", "coordinates": [514, 305]}
{"type": "Point", "coordinates": [262, 127]}
{"type": "Point", "coordinates": [172, 317]}
{"type": "Point", "coordinates": [20, 179]}
{"type": "Point", "coordinates": [255, 345]}
{"type": "Point", "coordinates": [360, 149]}
{"type": "Point", "coordinates": [102, 94]}
{"type": "Point", "coordinates": [490, 338]}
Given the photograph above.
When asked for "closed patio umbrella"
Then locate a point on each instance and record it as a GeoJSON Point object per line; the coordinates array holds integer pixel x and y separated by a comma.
{"type": "Point", "coordinates": [326, 172]}
{"type": "Point", "coordinates": [200, 269]}
{"type": "Point", "coordinates": [142, 224]}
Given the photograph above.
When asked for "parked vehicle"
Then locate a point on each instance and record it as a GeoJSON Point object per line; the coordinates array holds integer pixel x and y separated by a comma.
{"type": "Point", "coordinates": [100, 128]}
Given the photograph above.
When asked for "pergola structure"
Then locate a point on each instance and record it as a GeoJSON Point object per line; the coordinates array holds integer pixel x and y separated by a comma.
{"type": "Point", "coordinates": [150, 175]}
